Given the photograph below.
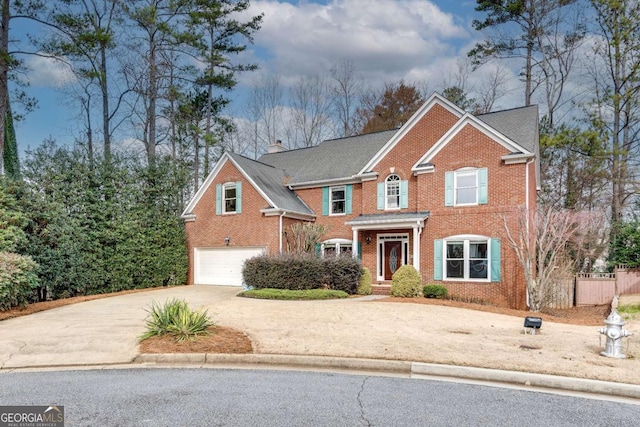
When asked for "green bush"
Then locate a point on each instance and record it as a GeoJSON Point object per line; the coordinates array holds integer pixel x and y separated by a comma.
{"type": "Point", "coordinates": [286, 294]}
{"type": "Point", "coordinates": [301, 272]}
{"type": "Point", "coordinates": [177, 319]}
{"type": "Point", "coordinates": [364, 285]}
{"type": "Point", "coordinates": [18, 280]}
{"type": "Point", "coordinates": [434, 291]}
{"type": "Point", "coordinates": [406, 282]}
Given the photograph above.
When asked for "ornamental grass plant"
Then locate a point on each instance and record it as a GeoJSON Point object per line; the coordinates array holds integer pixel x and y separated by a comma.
{"type": "Point", "coordinates": [177, 319]}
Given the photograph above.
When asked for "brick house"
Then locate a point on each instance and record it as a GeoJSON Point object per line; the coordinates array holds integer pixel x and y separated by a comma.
{"type": "Point", "coordinates": [433, 194]}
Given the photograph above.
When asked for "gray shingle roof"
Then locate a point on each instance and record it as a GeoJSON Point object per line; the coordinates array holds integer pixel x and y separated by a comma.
{"type": "Point", "coordinates": [518, 124]}
{"type": "Point", "coordinates": [332, 159]}
{"type": "Point", "coordinates": [270, 180]}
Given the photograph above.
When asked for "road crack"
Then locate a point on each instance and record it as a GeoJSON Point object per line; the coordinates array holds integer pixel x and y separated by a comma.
{"type": "Point", "coordinates": [22, 344]}
{"type": "Point", "coordinates": [364, 419]}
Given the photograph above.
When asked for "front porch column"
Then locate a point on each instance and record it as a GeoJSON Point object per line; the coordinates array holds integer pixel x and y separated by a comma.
{"type": "Point", "coordinates": [416, 247]}
{"type": "Point", "coordinates": [354, 245]}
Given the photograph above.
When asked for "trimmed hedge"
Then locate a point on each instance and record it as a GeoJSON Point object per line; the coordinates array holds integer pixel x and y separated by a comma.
{"type": "Point", "coordinates": [406, 282]}
{"type": "Point", "coordinates": [302, 272]}
{"type": "Point", "coordinates": [18, 280]}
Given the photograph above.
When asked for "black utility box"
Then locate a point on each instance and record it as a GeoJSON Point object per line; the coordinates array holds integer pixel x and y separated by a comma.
{"type": "Point", "coordinates": [532, 323]}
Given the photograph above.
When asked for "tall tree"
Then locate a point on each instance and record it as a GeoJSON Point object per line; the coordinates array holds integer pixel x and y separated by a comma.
{"type": "Point", "coordinates": [391, 109]}
{"type": "Point", "coordinates": [10, 154]}
{"type": "Point", "coordinates": [345, 90]}
{"type": "Point", "coordinates": [86, 36]}
{"type": "Point", "coordinates": [217, 36]}
{"type": "Point", "coordinates": [264, 111]}
{"type": "Point", "coordinates": [616, 73]}
{"type": "Point", "coordinates": [517, 27]}
{"type": "Point", "coordinates": [311, 111]}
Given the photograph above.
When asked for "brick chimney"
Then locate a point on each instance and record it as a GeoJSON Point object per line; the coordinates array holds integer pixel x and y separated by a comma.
{"type": "Point", "coordinates": [276, 148]}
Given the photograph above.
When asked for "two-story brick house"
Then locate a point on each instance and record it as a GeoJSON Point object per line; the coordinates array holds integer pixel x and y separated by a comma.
{"type": "Point", "coordinates": [433, 194]}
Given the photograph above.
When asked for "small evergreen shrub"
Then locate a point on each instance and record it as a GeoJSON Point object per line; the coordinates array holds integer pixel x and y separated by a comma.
{"type": "Point", "coordinates": [364, 285]}
{"type": "Point", "coordinates": [342, 273]}
{"type": "Point", "coordinates": [434, 291]}
{"type": "Point", "coordinates": [175, 318]}
{"type": "Point", "coordinates": [18, 280]}
{"type": "Point", "coordinates": [286, 294]}
{"type": "Point", "coordinates": [406, 282]}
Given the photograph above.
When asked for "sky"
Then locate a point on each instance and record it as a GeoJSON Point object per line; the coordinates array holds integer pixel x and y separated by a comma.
{"type": "Point", "coordinates": [420, 41]}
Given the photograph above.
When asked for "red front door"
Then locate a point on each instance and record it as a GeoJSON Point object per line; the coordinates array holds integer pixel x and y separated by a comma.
{"type": "Point", "coordinates": [392, 258]}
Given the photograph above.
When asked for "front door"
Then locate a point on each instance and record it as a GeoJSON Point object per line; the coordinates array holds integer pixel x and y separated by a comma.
{"type": "Point", "coordinates": [392, 257]}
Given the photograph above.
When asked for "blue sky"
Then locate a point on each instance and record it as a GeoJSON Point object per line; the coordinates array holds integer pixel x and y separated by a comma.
{"type": "Point", "coordinates": [387, 40]}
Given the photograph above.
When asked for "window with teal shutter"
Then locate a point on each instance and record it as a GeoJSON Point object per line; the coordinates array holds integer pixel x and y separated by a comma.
{"type": "Point", "coordinates": [495, 260]}
{"type": "Point", "coordinates": [325, 201]}
{"type": "Point", "coordinates": [381, 191]}
{"type": "Point", "coordinates": [348, 197]}
{"type": "Point", "coordinates": [318, 250]}
{"type": "Point", "coordinates": [218, 199]}
{"type": "Point", "coordinates": [404, 194]}
{"type": "Point", "coordinates": [448, 188]}
{"type": "Point", "coordinates": [437, 259]}
{"type": "Point", "coordinates": [482, 186]}
{"type": "Point", "coordinates": [238, 197]}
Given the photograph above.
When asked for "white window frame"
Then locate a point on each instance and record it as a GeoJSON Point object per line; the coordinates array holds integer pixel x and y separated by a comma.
{"type": "Point", "coordinates": [344, 201]}
{"type": "Point", "coordinates": [456, 188]}
{"type": "Point", "coordinates": [225, 187]}
{"type": "Point", "coordinates": [466, 240]}
{"type": "Point", "coordinates": [340, 246]}
{"type": "Point", "coordinates": [395, 180]}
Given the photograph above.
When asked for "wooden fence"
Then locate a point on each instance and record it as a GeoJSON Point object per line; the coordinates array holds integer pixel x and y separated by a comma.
{"type": "Point", "coordinates": [600, 288]}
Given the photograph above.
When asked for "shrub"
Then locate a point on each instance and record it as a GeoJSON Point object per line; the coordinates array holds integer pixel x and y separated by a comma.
{"type": "Point", "coordinates": [302, 272]}
{"type": "Point", "coordinates": [364, 285]}
{"type": "Point", "coordinates": [406, 282]}
{"type": "Point", "coordinates": [177, 319]}
{"type": "Point", "coordinates": [18, 280]}
{"type": "Point", "coordinates": [434, 291]}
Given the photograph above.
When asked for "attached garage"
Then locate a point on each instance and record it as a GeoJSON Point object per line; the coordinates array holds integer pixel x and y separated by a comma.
{"type": "Point", "coordinates": [221, 266]}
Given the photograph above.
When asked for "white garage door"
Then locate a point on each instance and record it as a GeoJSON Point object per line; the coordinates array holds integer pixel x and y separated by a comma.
{"type": "Point", "coordinates": [221, 266]}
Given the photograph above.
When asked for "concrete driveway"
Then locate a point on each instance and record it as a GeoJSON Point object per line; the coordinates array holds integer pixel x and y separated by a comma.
{"type": "Point", "coordinates": [105, 331]}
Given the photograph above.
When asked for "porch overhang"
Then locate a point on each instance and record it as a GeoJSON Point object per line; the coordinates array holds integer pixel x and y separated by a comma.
{"type": "Point", "coordinates": [389, 220]}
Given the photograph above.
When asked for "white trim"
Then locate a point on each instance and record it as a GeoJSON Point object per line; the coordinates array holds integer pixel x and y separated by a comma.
{"type": "Point", "coordinates": [468, 119]}
{"type": "Point", "coordinates": [380, 260]}
{"type": "Point", "coordinates": [324, 183]}
{"type": "Point", "coordinates": [223, 196]}
{"type": "Point", "coordinates": [512, 159]}
{"type": "Point", "coordinates": [338, 243]}
{"type": "Point", "coordinates": [466, 239]}
{"type": "Point", "coordinates": [465, 170]}
{"type": "Point", "coordinates": [288, 214]}
{"type": "Point", "coordinates": [386, 192]}
{"type": "Point", "coordinates": [435, 98]}
{"type": "Point", "coordinates": [207, 183]}
{"type": "Point", "coordinates": [344, 201]}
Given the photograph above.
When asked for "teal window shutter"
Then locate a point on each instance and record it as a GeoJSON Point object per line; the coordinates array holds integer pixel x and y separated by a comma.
{"type": "Point", "coordinates": [448, 188]}
{"type": "Point", "coordinates": [482, 186]}
{"type": "Point", "coordinates": [238, 197]}
{"type": "Point", "coordinates": [325, 200]}
{"type": "Point", "coordinates": [495, 260]}
{"type": "Point", "coordinates": [381, 195]}
{"type": "Point", "coordinates": [404, 194]}
{"type": "Point", "coordinates": [348, 193]}
{"type": "Point", "coordinates": [359, 251]}
{"type": "Point", "coordinates": [318, 250]}
{"type": "Point", "coordinates": [218, 199]}
{"type": "Point", "coordinates": [437, 259]}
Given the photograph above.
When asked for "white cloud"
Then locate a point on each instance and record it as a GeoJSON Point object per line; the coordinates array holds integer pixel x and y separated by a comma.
{"type": "Point", "coordinates": [385, 39]}
{"type": "Point", "coordinates": [48, 72]}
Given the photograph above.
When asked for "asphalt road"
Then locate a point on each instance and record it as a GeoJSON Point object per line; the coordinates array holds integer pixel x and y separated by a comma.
{"type": "Point", "coordinates": [217, 397]}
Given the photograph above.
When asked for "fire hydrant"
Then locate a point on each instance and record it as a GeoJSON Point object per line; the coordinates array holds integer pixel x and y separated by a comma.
{"type": "Point", "coordinates": [614, 333]}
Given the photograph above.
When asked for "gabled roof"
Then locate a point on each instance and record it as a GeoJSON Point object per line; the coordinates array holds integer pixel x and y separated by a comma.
{"type": "Point", "coordinates": [518, 124]}
{"type": "Point", "coordinates": [267, 180]}
{"type": "Point", "coordinates": [331, 160]}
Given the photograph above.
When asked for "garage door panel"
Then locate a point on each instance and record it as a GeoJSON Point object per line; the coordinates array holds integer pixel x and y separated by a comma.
{"type": "Point", "coordinates": [221, 266]}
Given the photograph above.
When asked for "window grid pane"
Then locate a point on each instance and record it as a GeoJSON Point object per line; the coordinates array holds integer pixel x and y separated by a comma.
{"type": "Point", "coordinates": [393, 191]}
{"type": "Point", "coordinates": [338, 200]}
{"type": "Point", "coordinates": [467, 187]}
{"type": "Point", "coordinates": [230, 199]}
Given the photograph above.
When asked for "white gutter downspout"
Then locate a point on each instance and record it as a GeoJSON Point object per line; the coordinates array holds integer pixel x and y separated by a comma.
{"type": "Point", "coordinates": [526, 204]}
{"type": "Point", "coordinates": [417, 232]}
{"type": "Point", "coordinates": [280, 229]}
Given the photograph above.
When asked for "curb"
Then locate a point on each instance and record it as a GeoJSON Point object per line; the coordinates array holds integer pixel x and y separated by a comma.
{"type": "Point", "coordinates": [397, 367]}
